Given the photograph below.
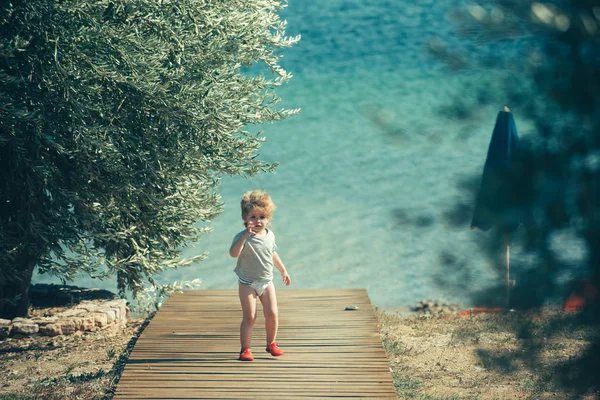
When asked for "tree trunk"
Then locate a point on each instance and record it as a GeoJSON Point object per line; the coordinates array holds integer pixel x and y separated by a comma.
{"type": "Point", "coordinates": [14, 292]}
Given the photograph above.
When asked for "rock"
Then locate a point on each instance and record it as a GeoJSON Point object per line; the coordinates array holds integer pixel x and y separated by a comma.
{"type": "Point", "coordinates": [100, 319]}
{"type": "Point", "coordinates": [86, 323]}
{"type": "Point", "coordinates": [86, 305]}
{"type": "Point", "coordinates": [111, 315]}
{"type": "Point", "coordinates": [120, 306]}
{"type": "Point", "coordinates": [67, 326]}
{"type": "Point", "coordinates": [24, 328]}
{"type": "Point", "coordinates": [5, 331]}
{"type": "Point", "coordinates": [89, 315]}
{"type": "Point", "coordinates": [41, 321]}
{"type": "Point", "coordinates": [435, 308]}
{"type": "Point", "coordinates": [72, 313]}
{"type": "Point", "coordinates": [51, 330]}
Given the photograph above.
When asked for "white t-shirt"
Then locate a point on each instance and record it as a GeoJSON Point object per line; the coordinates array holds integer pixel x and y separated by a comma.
{"type": "Point", "coordinates": [255, 262]}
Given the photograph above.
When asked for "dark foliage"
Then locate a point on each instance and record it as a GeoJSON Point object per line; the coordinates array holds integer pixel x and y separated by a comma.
{"type": "Point", "coordinates": [555, 82]}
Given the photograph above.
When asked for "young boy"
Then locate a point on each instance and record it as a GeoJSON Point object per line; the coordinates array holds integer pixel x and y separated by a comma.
{"type": "Point", "coordinates": [254, 248]}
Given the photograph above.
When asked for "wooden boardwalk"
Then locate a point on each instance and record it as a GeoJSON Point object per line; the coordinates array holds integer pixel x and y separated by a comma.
{"type": "Point", "coordinates": [190, 348]}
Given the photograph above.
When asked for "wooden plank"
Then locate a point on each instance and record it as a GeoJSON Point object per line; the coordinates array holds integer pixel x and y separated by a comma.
{"type": "Point", "coordinates": [190, 348]}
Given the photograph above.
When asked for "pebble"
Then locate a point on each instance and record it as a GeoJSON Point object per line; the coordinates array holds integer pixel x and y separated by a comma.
{"type": "Point", "coordinates": [435, 308]}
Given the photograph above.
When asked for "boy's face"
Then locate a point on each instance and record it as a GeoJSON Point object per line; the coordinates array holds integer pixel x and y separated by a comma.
{"type": "Point", "coordinates": [257, 221]}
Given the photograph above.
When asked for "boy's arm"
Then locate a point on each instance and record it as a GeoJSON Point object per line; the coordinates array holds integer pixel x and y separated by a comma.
{"type": "Point", "coordinates": [236, 247]}
{"type": "Point", "coordinates": [279, 265]}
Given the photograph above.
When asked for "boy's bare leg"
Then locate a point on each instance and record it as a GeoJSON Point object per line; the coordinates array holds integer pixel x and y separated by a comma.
{"type": "Point", "coordinates": [269, 302]}
{"type": "Point", "coordinates": [248, 301]}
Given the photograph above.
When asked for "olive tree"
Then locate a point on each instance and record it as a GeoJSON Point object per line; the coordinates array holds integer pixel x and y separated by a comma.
{"type": "Point", "coordinates": [117, 120]}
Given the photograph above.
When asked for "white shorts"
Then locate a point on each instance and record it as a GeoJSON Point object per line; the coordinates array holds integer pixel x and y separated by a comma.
{"type": "Point", "coordinates": [258, 286]}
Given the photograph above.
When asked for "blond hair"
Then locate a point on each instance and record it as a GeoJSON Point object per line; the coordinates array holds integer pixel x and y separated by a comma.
{"type": "Point", "coordinates": [258, 200]}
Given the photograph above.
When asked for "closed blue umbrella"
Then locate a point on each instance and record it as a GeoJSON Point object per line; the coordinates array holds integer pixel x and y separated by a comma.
{"type": "Point", "coordinates": [497, 200]}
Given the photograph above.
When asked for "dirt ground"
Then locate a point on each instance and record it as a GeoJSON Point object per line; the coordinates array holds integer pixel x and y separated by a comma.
{"type": "Point", "coordinates": [79, 366]}
{"type": "Point", "coordinates": [431, 358]}
{"type": "Point", "coordinates": [486, 356]}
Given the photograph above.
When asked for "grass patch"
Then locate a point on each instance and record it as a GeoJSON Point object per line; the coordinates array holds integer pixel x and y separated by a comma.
{"type": "Point", "coordinates": [394, 346]}
{"type": "Point", "coordinates": [466, 335]}
{"type": "Point", "coordinates": [538, 386]}
{"type": "Point", "coordinates": [406, 387]}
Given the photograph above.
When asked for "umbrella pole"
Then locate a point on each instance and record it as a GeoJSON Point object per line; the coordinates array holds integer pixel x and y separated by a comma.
{"type": "Point", "coordinates": [507, 264]}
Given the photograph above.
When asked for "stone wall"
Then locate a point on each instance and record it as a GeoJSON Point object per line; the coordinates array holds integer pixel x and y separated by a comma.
{"type": "Point", "coordinates": [88, 315]}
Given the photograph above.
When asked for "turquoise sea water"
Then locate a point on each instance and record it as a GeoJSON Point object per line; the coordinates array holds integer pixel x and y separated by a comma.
{"type": "Point", "coordinates": [359, 207]}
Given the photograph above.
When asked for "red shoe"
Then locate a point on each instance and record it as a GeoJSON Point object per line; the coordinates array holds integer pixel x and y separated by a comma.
{"type": "Point", "coordinates": [274, 349]}
{"type": "Point", "coordinates": [246, 355]}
